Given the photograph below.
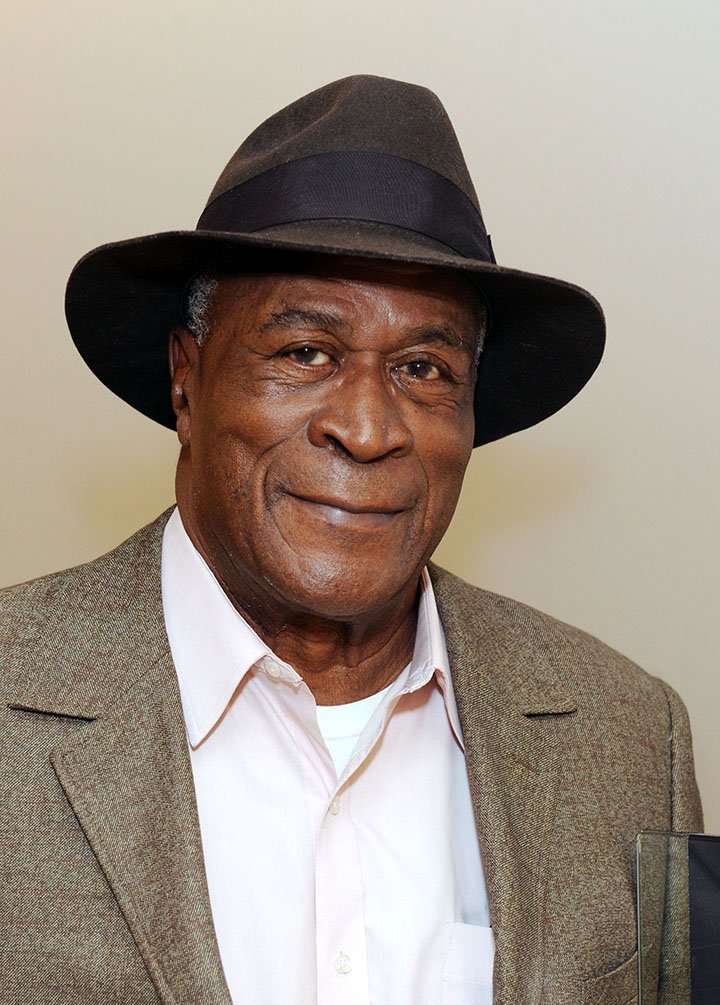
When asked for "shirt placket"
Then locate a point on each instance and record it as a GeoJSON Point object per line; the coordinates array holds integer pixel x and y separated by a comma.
{"type": "Point", "coordinates": [342, 972]}
{"type": "Point", "coordinates": [341, 953]}
{"type": "Point", "coordinates": [342, 966]}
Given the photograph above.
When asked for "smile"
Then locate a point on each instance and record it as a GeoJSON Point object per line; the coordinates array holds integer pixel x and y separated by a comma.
{"type": "Point", "coordinates": [345, 514]}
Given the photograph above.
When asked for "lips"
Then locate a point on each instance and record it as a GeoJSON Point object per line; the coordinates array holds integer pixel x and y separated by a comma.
{"type": "Point", "coordinates": [345, 513]}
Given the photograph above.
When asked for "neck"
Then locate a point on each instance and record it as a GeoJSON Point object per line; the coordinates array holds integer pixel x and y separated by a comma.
{"type": "Point", "coordinates": [345, 661]}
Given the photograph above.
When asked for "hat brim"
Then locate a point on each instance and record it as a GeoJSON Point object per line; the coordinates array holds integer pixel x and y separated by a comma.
{"type": "Point", "coordinates": [546, 336]}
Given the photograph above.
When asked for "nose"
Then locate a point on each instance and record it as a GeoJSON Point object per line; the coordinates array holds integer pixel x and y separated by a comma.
{"type": "Point", "coordinates": [361, 415]}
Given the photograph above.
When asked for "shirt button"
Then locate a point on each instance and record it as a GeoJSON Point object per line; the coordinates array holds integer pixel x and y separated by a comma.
{"type": "Point", "coordinates": [343, 964]}
{"type": "Point", "coordinates": [274, 669]}
{"type": "Point", "coordinates": [335, 806]}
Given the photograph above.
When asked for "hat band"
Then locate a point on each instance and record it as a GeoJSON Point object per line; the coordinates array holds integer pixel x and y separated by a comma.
{"type": "Point", "coordinates": [354, 185]}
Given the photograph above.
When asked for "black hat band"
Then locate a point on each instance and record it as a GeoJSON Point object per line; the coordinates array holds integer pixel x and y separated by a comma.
{"type": "Point", "coordinates": [354, 185]}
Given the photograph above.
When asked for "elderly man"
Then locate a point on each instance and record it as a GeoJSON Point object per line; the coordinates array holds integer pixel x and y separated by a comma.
{"type": "Point", "coordinates": [264, 752]}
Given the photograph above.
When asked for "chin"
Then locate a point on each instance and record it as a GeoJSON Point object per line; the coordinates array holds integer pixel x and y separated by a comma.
{"type": "Point", "coordinates": [326, 590]}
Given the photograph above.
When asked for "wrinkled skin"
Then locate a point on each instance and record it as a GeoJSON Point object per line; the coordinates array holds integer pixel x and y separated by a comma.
{"type": "Point", "coordinates": [325, 428]}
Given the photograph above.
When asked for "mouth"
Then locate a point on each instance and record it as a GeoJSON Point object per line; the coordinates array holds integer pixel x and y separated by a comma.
{"type": "Point", "coordinates": [344, 513]}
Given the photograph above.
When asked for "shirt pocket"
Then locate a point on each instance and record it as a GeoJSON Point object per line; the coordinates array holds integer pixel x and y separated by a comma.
{"type": "Point", "coordinates": [468, 970]}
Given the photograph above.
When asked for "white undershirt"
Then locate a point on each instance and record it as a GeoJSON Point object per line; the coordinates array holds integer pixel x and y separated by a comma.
{"type": "Point", "coordinates": [342, 725]}
{"type": "Point", "coordinates": [341, 871]}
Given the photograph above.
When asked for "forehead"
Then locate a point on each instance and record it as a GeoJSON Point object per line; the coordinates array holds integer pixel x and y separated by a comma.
{"type": "Point", "coordinates": [418, 291]}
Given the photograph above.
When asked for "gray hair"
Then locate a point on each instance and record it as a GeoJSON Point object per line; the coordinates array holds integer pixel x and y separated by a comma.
{"type": "Point", "coordinates": [197, 305]}
{"type": "Point", "coordinates": [483, 322]}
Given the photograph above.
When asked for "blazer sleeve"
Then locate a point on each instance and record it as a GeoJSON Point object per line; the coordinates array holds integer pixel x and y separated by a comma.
{"type": "Point", "coordinates": [686, 808]}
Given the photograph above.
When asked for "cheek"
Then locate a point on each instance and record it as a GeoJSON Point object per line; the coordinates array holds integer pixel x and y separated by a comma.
{"type": "Point", "coordinates": [445, 469]}
{"type": "Point", "coordinates": [233, 434]}
{"type": "Point", "coordinates": [226, 463]}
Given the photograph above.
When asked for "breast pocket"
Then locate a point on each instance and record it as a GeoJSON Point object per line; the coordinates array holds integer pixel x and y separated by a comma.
{"type": "Point", "coordinates": [619, 987]}
{"type": "Point", "coordinates": [467, 976]}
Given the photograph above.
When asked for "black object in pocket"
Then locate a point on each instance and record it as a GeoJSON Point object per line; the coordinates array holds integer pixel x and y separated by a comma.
{"type": "Point", "coordinates": [704, 898]}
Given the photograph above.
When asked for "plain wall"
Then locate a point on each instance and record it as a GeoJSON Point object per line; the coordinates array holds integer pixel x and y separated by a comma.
{"type": "Point", "coordinates": [591, 130]}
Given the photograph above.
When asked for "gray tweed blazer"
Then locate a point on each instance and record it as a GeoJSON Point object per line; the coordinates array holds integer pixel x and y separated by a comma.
{"type": "Point", "coordinates": [571, 749]}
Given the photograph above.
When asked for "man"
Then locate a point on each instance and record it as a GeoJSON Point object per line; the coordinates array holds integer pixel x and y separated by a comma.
{"type": "Point", "coordinates": [263, 752]}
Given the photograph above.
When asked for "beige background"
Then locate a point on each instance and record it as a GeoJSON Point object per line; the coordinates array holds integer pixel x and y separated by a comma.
{"type": "Point", "coordinates": [591, 129]}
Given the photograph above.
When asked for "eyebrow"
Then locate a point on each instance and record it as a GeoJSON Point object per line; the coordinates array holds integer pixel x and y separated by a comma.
{"type": "Point", "coordinates": [302, 317]}
{"type": "Point", "coordinates": [444, 334]}
{"type": "Point", "coordinates": [294, 317]}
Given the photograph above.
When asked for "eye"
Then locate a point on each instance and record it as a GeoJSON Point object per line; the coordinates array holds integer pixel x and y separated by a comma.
{"type": "Point", "coordinates": [421, 369]}
{"type": "Point", "coordinates": [307, 355]}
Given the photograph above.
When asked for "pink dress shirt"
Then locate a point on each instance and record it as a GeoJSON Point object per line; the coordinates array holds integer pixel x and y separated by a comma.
{"type": "Point", "coordinates": [342, 869]}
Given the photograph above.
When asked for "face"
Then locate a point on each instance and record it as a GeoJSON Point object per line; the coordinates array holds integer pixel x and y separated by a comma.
{"type": "Point", "coordinates": [326, 426]}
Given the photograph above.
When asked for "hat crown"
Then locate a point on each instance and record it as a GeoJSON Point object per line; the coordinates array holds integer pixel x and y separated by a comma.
{"type": "Point", "coordinates": [361, 112]}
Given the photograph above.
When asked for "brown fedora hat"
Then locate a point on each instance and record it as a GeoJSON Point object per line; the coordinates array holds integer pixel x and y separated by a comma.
{"type": "Point", "coordinates": [366, 167]}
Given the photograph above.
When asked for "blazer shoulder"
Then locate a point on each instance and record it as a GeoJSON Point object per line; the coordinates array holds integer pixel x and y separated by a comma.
{"type": "Point", "coordinates": [613, 694]}
{"type": "Point", "coordinates": [579, 661]}
{"type": "Point", "coordinates": [83, 613]}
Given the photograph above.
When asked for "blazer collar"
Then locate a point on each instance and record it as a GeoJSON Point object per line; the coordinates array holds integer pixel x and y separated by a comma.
{"type": "Point", "coordinates": [515, 718]}
{"type": "Point", "coordinates": [126, 772]}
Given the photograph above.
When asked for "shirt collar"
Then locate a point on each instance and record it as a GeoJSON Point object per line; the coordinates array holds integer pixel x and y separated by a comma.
{"type": "Point", "coordinates": [430, 653]}
{"type": "Point", "coordinates": [214, 647]}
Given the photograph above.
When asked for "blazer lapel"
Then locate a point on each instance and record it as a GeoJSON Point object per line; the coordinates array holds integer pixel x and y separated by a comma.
{"type": "Point", "coordinates": [128, 778]}
{"type": "Point", "coordinates": [129, 781]}
{"type": "Point", "coordinates": [514, 718]}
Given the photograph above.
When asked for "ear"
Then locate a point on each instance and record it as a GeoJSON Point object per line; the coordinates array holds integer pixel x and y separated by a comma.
{"type": "Point", "coordinates": [183, 357]}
